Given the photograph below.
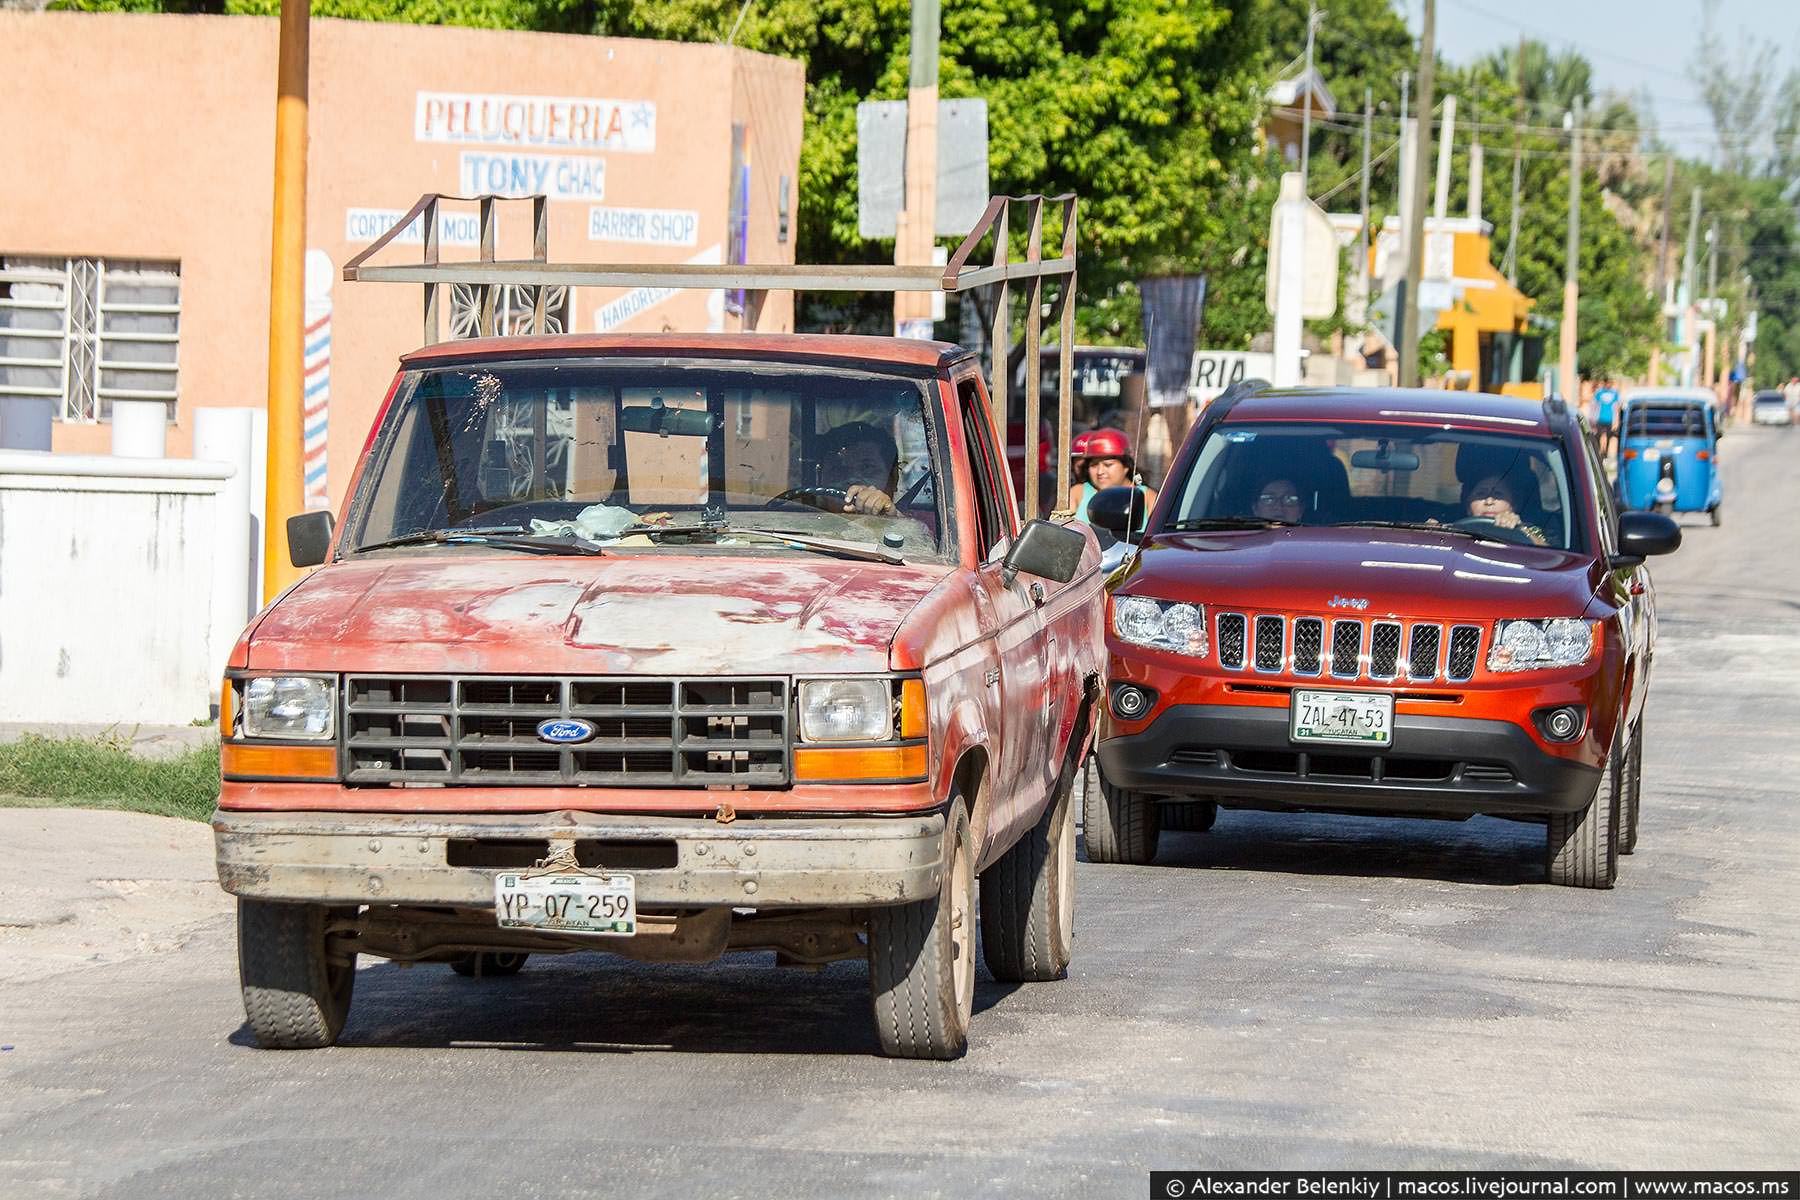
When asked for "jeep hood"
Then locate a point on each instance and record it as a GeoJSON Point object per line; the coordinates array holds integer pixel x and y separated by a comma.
{"type": "Point", "coordinates": [657, 614]}
{"type": "Point", "coordinates": [1363, 571]}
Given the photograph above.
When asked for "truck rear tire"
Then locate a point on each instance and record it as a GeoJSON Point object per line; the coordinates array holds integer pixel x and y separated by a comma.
{"type": "Point", "coordinates": [1187, 816]}
{"type": "Point", "coordinates": [1632, 786]}
{"type": "Point", "coordinates": [1028, 897]}
{"type": "Point", "coordinates": [922, 958]}
{"type": "Point", "coordinates": [1120, 826]}
{"type": "Point", "coordinates": [487, 963]}
{"type": "Point", "coordinates": [1582, 848]}
{"type": "Point", "coordinates": [296, 995]}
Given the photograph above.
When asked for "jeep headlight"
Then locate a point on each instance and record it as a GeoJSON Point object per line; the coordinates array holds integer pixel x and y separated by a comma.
{"type": "Point", "coordinates": [846, 710]}
{"type": "Point", "coordinates": [1161, 624]}
{"type": "Point", "coordinates": [289, 706]}
{"type": "Point", "coordinates": [1521, 645]}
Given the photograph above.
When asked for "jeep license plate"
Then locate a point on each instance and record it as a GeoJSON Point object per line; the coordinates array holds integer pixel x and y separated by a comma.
{"type": "Point", "coordinates": [605, 906]}
{"type": "Point", "coordinates": [1349, 718]}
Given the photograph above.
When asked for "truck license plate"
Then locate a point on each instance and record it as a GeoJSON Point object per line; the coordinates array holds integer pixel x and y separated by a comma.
{"type": "Point", "coordinates": [605, 906]}
{"type": "Point", "coordinates": [1354, 718]}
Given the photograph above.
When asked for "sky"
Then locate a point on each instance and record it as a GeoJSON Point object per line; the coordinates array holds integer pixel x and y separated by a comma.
{"type": "Point", "coordinates": [1637, 47]}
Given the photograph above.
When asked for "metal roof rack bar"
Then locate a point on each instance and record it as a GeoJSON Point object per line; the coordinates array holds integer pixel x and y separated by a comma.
{"type": "Point", "coordinates": [487, 273]}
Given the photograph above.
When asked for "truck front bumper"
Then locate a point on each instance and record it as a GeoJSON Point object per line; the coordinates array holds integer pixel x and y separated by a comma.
{"type": "Point", "coordinates": [678, 862]}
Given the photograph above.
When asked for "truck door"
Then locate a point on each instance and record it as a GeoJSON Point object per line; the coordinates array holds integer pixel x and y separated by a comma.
{"type": "Point", "coordinates": [1020, 680]}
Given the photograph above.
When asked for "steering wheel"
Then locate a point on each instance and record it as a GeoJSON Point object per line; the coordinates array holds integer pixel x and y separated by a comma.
{"type": "Point", "coordinates": [825, 499]}
{"type": "Point", "coordinates": [1489, 527]}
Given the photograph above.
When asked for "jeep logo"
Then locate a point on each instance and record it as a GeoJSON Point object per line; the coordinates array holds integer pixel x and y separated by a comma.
{"type": "Point", "coordinates": [1357, 602]}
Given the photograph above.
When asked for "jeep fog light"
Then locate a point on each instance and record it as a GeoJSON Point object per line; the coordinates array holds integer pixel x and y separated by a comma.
{"type": "Point", "coordinates": [1531, 645]}
{"type": "Point", "coordinates": [1161, 624]}
{"type": "Point", "coordinates": [289, 706]}
{"type": "Point", "coordinates": [846, 710]}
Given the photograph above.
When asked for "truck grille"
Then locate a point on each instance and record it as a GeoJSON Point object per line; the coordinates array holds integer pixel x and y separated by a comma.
{"type": "Point", "coordinates": [1383, 651]}
{"type": "Point", "coordinates": [482, 731]}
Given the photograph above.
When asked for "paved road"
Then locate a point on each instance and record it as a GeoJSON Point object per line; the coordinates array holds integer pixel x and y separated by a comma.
{"type": "Point", "coordinates": [1297, 992]}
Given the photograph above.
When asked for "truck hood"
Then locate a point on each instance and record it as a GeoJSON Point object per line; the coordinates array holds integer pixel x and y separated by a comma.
{"type": "Point", "coordinates": [660, 614]}
{"type": "Point", "coordinates": [1373, 572]}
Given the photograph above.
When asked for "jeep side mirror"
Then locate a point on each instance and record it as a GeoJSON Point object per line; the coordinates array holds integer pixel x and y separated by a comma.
{"type": "Point", "coordinates": [1120, 510]}
{"type": "Point", "coordinates": [1643, 534]}
{"type": "Point", "coordinates": [1046, 550]}
{"type": "Point", "coordinates": [309, 538]}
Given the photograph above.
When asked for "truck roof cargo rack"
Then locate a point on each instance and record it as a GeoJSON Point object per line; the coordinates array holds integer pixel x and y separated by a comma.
{"type": "Point", "coordinates": [487, 273]}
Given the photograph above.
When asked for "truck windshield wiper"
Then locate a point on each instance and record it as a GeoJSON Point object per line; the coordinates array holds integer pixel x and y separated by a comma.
{"type": "Point", "coordinates": [513, 537]}
{"type": "Point", "coordinates": [799, 541]}
{"type": "Point", "coordinates": [1426, 527]}
{"type": "Point", "coordinates": [1226, 523]}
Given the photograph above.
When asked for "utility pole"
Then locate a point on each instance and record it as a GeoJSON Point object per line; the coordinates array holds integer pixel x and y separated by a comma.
{"type": "Point", "coordinates": [1406, 308]}
{"type": "Point", "coordinates": [284, 490]}
{"type": "Point", "coordinates": [1403, 188]}
{"type": "Point", "coordinates": [916, 228]}
{"type": "Point", "coordinates": [1512, 237]}
{"type": "Point", "coordinates": [1662, 271]}
{"type": "Point", "coordinates": [1362, 241]}
{"type": "Point", "coordinates": [1688, 340]}
{"type": "Point", "coordinates": [1312, 23]}
{"type": "Point", "coordinates": [1709, 376]}
{"type": "Point", "coordinates": [1571, 387]}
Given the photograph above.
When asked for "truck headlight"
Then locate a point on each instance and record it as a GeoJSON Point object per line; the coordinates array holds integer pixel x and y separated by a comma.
{"type": "Point", "coordinates": [846, 710]}
{"type": "Point", "coordinates": [1162, 624]}
{"type": "Point", "coordinates": [289, 706]}
{"type": "Point", "coordinates": [1521, 645]}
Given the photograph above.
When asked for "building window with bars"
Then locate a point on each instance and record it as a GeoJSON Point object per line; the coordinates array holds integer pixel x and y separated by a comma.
{"type": "Point", "coordinates": [84, 332]}
{"type": "Point", "coordinates": [515, 305]}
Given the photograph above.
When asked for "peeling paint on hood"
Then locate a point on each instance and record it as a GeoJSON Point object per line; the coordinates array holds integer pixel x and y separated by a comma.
{"type": "Point", "coordinates": [649, 613]}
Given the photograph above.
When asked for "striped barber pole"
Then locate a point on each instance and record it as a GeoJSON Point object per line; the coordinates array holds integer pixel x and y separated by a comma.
{"type": "Point", "coordinates": [315, 395]}
{"type": "Point", "coordinates": [316, 404]}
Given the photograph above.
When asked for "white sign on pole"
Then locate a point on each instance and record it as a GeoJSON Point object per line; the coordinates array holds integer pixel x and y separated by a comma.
{"type": "Point", "coordinates": [1216, 370]}
{"type": "Point", "coordinates": [1318, 254]}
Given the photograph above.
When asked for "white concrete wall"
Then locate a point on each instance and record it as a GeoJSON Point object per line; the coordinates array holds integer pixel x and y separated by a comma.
{"type": "Point", "coordinates": [106, 584]}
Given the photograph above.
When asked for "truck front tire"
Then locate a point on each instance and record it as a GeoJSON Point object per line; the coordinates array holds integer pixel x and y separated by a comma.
{"type": "Point", "coordinates": [922, 957]}
{"type": "Point", "coordinates": [1582, 848]}
{"type": "Point", "coordinates": [1120, 826]}
{"type": "Point", "coordinates": [296, 995]}
{"type": "Point", "coordinates": [1028, 897]}
{"type": "Point", "coordinates": [1631, 786]}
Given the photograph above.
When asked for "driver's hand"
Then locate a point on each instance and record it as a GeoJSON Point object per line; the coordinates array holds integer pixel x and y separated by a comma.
{"type": "Point", "coordinates": [872, 500]}
{"type": "Point", "coordinates": [1507, 520]}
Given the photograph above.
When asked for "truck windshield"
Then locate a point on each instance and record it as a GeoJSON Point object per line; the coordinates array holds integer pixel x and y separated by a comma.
{"type": "Point", "coordinates": [609, 452]}
{"type": "Point", "coordinates": [1493, 486]}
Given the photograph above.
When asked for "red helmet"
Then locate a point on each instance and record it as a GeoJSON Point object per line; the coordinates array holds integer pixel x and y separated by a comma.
{"type": "Point", "coordinates": [1079, 444]}
{"type": "Point", "coordinates": [1106, 443]}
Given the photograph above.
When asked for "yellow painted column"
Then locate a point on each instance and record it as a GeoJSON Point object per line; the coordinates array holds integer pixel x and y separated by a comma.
{"type": "Point", "coordinates": [287, 301]}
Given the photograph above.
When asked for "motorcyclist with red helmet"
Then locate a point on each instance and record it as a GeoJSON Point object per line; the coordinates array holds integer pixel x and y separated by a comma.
{"type": "Point", "coordinates": [1104, 461]}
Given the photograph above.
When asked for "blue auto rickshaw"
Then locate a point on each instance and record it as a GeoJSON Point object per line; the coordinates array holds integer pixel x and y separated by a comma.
{"type": "Point", "coordinates": [1669, 451]}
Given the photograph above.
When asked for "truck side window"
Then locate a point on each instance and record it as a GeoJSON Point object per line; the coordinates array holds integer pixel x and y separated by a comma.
{"type": "Point", "coordinates": [981, 457]}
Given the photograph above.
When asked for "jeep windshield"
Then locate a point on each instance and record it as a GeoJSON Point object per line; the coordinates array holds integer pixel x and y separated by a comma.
{"type": "Point", "coordinates": [1491, 486]}
{"type": "Point", "coordinates": [563, 456]}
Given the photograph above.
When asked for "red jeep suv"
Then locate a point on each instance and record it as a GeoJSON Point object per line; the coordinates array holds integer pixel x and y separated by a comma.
{"type": "Point", "coordinates": [1387, 602]}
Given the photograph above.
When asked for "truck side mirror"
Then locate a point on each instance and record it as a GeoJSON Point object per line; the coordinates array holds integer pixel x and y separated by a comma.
{"type": "Point", "coordinates": [1119, 510]}
{"type": "Point", "coordinates": [1642, 534]}
{"type": "Point", "coordinates": [309, 538]}
{"type": "Point", "coordinates": [1046, 550]}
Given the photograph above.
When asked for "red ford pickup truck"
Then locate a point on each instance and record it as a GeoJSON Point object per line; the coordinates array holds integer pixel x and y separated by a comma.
{"type": "Point", "coordinates": [667, 646]}
{"type": "Point", "coordinates": [1416, 603]}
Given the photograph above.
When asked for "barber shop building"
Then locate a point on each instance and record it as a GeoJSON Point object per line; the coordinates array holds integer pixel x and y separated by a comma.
{"type": "Point", "coordinates": [135, 233]}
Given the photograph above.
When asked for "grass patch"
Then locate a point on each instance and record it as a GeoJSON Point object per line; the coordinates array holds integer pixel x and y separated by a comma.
{"type": "Point", "coordinates": [40, 772]}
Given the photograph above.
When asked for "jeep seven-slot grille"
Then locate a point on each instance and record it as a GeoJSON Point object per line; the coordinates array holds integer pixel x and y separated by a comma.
{"type": "Point", "coordinates": [1347, 648]}
{"type": "Point", "coordinates": [1232, 627]}
{"type": "Point", "coordinates": [1465, 644]}
{"type": "Point", "coordinates": [479, 731]}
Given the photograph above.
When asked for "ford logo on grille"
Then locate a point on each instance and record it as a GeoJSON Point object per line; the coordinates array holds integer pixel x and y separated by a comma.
{"type": "Point", "coordinates": [564, 731]}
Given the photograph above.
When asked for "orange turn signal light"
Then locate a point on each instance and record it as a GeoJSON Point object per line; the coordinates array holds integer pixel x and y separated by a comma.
{"type": "Point", "coordinates": [227, 708]}
{"type": "Point", "coordinates": [1630, 454]}
{"type": "Point", "coordinates": [278, 762]}
{"type": "Point", "coordinates": [1702, 455]}
{"type": "Point", "coordinates": [815, 765]}
{"type": "Point", "coordinates": [912, 708]}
